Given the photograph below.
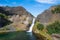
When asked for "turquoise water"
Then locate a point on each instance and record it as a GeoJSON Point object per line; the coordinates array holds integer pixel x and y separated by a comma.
{"type": "Point", "coordinates": [17, 36]}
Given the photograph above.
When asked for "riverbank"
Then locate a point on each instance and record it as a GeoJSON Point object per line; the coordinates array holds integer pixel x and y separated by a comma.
{"type": "Point", "coordinates": [41, 34]}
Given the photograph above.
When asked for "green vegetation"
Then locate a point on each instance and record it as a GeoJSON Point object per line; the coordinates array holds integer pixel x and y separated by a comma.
{"type": "Point", "coordinates": [40, 26]}
{"type": "Point", "coordinates": [40, 31]}
{"type": "Point", "coordinates": [56, 10]}
{"type": "Point", "coordinates": [54, 27]}
{"type": "Point", "coordinates": [3, 16]}
{"type": "Point", "coordinates": [5, 28]}
{"type": "Point", "coordinates": [4, 20]}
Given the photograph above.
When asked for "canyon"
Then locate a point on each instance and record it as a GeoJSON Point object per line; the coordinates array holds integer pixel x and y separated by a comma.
{"type": "Point", "coordinates": [22, 25]}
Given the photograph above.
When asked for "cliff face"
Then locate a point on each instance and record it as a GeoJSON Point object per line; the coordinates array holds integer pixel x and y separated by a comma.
{"type": "Point", "coordinates": [19, 17]}
{"type": "Point", "coordinates": [47, 24]}
{"type": "Point", "coordinates": [48, 16]}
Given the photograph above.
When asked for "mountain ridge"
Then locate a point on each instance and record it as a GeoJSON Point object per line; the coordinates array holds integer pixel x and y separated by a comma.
{"type": "Point", "coordinates": [19, 16]}
{"type": "Point", "coordinates": [47, 24]}
{"type": "Point", "coordinates": [48, 15]}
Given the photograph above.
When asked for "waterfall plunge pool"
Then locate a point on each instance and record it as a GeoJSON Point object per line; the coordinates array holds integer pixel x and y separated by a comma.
{"type": "Point", "coordinates": [17, 36]}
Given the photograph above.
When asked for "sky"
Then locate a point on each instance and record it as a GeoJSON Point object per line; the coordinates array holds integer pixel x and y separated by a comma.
{"type": "Point", "coordinates": [35, 7]}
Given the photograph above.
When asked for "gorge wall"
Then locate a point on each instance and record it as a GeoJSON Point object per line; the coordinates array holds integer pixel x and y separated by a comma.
{"type": "Point", "coordinates": [18, 18]}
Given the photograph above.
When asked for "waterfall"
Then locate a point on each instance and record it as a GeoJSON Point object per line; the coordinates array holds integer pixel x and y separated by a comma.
{"type": "Point", "coordinates": [30, 29]}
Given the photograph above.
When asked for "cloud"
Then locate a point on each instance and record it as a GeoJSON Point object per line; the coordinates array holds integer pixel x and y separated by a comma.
{"type": "Point", "coordinates": [47, 1]}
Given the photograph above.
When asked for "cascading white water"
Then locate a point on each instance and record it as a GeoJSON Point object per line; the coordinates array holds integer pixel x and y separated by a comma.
{"type": "Point", "coordinates": [30, 29]}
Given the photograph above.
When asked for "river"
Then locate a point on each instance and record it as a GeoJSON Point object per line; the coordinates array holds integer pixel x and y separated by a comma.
{"type": "Point", "coordinates": [17, 36]}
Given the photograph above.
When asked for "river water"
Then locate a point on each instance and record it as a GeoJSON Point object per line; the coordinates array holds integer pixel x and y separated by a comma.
{"type": "Point", "coordinates": [17, 36]}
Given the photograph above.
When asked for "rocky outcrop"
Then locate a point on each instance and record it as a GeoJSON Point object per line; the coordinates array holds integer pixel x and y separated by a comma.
{"type": "Point", "coordinates": [21, 19]}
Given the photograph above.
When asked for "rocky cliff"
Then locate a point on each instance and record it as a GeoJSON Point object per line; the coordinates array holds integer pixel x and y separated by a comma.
{"type": "Point", "coordinates": [48, 16]}
{"type": "Point", "coordinates": [47, 24]}
{"type": "Point", "coordinates": [19, 17]}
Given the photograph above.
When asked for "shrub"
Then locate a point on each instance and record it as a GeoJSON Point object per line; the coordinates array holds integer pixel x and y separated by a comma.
{"type": "Point", "coordinates": [40, 26]}
{"type": "Point", "coordinates": [54, 27]}
{"type": "Point", "coordinates": [3, 15]}
{"type": "Point", "coordinates": [3, 20]}
{"type": "Point", "coordinates": [56, 10]}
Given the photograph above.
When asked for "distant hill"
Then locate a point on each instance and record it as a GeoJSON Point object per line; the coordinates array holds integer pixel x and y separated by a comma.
{"type": "Point", "coordinates": [19, 17]}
